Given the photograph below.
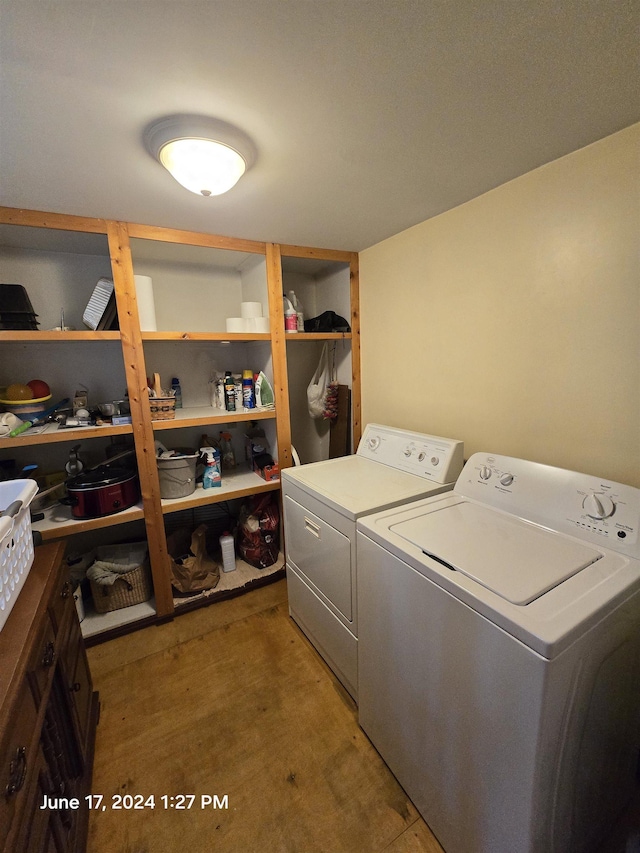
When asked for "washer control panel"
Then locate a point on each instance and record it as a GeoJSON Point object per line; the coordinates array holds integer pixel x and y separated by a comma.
{"type": "Point", "coordinates": [429, 456]}
{"type": "Point", "coordinates": [585, 506]}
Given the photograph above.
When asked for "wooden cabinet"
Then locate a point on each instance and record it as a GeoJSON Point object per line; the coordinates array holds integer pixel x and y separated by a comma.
{"type": "Point", "coordinates": [48, 715]}
{"type": "Point", "coordinates": [199, 280]}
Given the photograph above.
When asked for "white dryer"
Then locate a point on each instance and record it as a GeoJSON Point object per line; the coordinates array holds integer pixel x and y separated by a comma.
{"type": "Point", "coordinates": [323, 500]}
{"type": "Point", "coordinates": [499, 654]}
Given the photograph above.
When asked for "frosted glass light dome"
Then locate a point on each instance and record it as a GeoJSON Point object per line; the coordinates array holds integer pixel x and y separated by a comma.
{"type": "Point", "coordinates": [203, 166]}
{"type": "Point", "coordinates": [205, 155]}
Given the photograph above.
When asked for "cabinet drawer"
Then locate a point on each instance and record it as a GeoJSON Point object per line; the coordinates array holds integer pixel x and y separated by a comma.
{"type": "Point", "coordinates": [62, 595]}
{"type": "Point", "coordinates": [321, 553]}
{"type": "Point", "coordinates": [42, 661]}
{"type": "Point", "coordinates": [79, 680]}
{"type": "Point", "coordinates": [15, 759]}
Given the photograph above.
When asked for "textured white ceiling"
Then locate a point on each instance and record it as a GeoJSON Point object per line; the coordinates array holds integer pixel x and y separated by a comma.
{"type": "Point", "coordinates": [369, 116]}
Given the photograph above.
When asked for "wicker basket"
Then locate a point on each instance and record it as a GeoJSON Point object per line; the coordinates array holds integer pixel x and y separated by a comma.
{"type": "Point", "coordinates": [133, 587]}
{"type": "Point", "coordinates": [162, 408]}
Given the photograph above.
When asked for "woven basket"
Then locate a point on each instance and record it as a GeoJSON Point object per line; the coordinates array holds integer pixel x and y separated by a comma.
{"type": "Point", "coordinates": [133, 587]}
{"type": "Point", "coordinates": [162, 408]}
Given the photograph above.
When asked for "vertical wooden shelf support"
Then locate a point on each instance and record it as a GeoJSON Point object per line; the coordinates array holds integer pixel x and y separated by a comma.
{"type": "Point", "coordinates": [135, 371]}
{"type": "Point", "coordinates": [279, 350]}
{"type": "Point", "coordinates": [356, 389]}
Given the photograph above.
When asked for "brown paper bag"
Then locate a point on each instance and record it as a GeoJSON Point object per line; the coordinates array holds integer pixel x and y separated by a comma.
{"type": "Point", "coordinates": [192, 569]}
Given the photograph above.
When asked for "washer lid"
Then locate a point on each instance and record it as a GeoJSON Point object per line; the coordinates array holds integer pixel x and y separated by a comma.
{"type": "Point", "coordinates": [354, 486]}
{"type": "Point", "coordinates": [515, 559]}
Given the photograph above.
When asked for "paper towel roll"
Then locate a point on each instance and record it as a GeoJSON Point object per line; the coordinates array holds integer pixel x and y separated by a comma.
{"type": "Point", "coordinates": [251, 309]}
{"type": "Point", "coordinates": [262, 324]}
{"type": "Point", "coordinates": [236, 324]}
{"type": "Point", "coordinates": [146, 305]}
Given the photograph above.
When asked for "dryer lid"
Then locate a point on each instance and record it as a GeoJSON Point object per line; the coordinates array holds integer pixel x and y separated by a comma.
{"type": "Point", "coordinates": [515, 559]}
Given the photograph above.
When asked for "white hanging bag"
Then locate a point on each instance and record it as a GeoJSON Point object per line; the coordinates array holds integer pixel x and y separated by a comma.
{"type": "Point", "coordinates": [319, 385]}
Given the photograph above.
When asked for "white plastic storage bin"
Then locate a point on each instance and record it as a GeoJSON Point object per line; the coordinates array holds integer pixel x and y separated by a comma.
{"type": "Point", "coordinates": [16, 541]}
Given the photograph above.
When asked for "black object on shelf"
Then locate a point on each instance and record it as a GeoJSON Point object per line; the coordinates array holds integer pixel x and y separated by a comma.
{"type": "Point", "coordinates": [328, 321]}
{"type": "Point", "coordinates": [16, 310]}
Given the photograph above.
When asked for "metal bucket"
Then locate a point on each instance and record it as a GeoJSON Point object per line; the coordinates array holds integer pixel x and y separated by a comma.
{"type": "Point", "coordinates": [177, 474]}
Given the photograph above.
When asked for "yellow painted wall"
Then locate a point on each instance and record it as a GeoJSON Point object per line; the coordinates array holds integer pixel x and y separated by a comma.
{"type": "Point", "coordinates": [512, 322]}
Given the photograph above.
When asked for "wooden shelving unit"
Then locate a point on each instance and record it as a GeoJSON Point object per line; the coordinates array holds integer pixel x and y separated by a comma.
{"type": "Point", "coordinates": [106, 247]}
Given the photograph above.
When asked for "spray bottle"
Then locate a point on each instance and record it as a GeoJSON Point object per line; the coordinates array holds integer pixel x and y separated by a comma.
{"type": "Point", "coordinates": [212, 477]}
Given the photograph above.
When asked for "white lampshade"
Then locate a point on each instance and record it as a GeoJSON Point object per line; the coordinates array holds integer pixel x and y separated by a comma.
{"type": "Point", "coordinates": [205, 155]}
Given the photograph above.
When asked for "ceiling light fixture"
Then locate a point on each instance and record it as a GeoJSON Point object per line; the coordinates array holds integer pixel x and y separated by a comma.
{"type": "Point", "coordinates": [205, 155]}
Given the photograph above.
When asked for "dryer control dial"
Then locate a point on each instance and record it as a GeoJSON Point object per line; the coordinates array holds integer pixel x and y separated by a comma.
{"type": "Point", "coordinates": [373, 442]}
{"type": "Point", "coordinates": [598, 506]}
{"type": "Point", "coordinates": [506, 479]}
{"type": "Point", "coordinates": [485, 472]}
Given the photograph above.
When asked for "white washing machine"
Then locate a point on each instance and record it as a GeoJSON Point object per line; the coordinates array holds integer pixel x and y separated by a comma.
{"type": "Point", "coordinates": [499, 654]}
{"type": "Point", "coordinates": [322, 501]}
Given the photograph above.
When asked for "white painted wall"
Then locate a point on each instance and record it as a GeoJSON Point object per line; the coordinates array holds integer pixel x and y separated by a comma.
{"type": "Point", "coordinates": [513, 321]}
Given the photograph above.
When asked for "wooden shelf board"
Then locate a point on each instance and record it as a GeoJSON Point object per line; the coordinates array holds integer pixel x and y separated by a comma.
{"type": "Point", "coordinates": [204, 415]}
{"type": "Point", "coordinates": [317, 336]}
{"type": "Point", "coordinates": [51, 434]}
{"type": "Point", "coordinates": [206, 336]}
{"type": "Point", "coordinates": [95, 623]}
{"type": "Point", "coordinates": [67, 337]}
{"type": "Point", "coordinates": [243, 578]}
{"type": "Point", "coordinates": [58, 521]}
{"type": "Point", "coordinates": [235, 485]}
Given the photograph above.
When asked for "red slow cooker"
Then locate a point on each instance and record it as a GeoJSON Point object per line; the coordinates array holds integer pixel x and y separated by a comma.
{"type": "Point", "coordinates": [103, 491]}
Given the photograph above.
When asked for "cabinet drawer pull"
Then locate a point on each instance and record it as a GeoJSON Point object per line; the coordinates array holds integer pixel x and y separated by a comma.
{"type": "Point", "coordinates": [49, 656]}
{"type": "Point", "coordinates": [17, 771]}
{"type": "Point", "coordinates": [313, 529]}
{"type": "Point", "coordinates": [65, 592]}
{"type": "Point", "coordinates": [76, 687]}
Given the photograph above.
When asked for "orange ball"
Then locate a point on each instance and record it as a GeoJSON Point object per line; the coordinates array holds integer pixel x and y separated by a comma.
{"type": "Point", "coordinates": [19, 392]}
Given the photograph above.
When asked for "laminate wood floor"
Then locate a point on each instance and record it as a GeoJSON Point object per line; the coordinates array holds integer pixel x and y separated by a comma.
{"type": "Point", "coordinates": [232, 701]}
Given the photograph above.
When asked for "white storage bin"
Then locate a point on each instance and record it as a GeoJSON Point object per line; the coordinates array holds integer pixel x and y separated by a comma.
{"type": "Point", "coordinates": [16, 541]}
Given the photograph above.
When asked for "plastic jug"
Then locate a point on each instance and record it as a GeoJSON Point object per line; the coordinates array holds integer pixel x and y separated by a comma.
{"type": "Point", "coordinates": [228, 552]}
{"type": "Point", "coordinates": [299, 310]}
{"type": "Point", "coordinates": [290, 315]}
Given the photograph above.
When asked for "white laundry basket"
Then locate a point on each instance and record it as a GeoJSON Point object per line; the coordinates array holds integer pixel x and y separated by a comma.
{"type": "Point", "coordinates": [16, 541]}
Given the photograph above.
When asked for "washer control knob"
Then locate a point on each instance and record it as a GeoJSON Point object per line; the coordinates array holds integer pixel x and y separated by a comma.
{"type": "Point", "coordinates": [598, 506]}
{"type": "Point", "coordinates": [485, 472]}
{"type": "Point", "coordinates": [373, 442]}
{"type": "Point", "coordinates": [421, 456]}
{"type": "Point", "coordinates": [407, 451]}
{"type": "Point", "coordinates": [506, 479]}
{"type": "Point", "coordinates": [435, 461]}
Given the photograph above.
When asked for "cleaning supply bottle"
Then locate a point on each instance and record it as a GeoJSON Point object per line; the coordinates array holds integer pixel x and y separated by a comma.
{"type": "Point", "coordinates": [212, 478]}
{"type": "Point", "coordinates": [177, 391]}
{"type": "Point", "coordinates": [248, 395]}
{"type": "Point", "coordinates": [228, 552]}
{"type": "Point", "coordinates": [290, 315]}
{"type": "Point", "coordinates": [228, 456]}
{"type": "Point", "coordinates": [229, 392]}
{"type": "Point", "coordinates": [237, 390]}
{"type": "Point", "coordinates": [299, 311]}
